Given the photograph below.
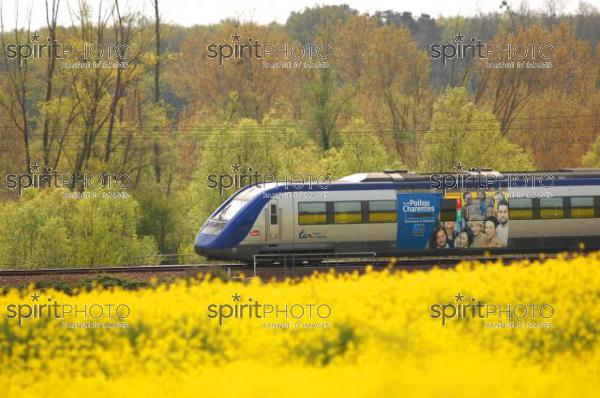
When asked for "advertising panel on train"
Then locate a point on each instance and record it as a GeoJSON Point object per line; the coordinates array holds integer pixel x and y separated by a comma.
{"type": "Point", "coordinates": [456, 220]}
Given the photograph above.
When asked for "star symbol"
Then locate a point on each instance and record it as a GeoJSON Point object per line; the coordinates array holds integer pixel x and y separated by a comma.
{"type": "Point", "coordinates": [236, 167]}
{"type": "Point", "coordinates": [459, 167]}
{"type": "Point", "coordinates": [35, 37]}
{"type": "Point", "coordinates": [34, 168]}
{"type": "Point", "coordinates": [35, 297]}
{"type": "Point", "coordinates": [459, 38]}
{"type": "Point", "coordinates": [459, 297]}
{"type": "Point", "coordinates": [237, 297]}
{"type": "Point", "coordinates": [236, 37]}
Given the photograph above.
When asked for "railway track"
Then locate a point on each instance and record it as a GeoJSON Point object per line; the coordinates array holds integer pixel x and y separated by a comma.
{"type": "Point", "coordinates": [234, 271]}
{"type": "Point", "coordinates": [113, 270]}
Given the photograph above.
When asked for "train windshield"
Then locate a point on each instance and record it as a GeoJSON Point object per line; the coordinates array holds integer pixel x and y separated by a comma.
{"type": "Point", "coordinates": [215, 225]}
{"type": "Point", "coordinates": [230, 210]}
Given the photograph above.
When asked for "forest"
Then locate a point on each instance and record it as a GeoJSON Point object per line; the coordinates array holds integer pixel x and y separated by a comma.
{"type": "Point", "coordinates": [160, 115]}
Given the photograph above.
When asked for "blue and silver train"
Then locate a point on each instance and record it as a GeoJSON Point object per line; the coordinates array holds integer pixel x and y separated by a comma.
{"type": "Point", "coordinates": [400, 213]}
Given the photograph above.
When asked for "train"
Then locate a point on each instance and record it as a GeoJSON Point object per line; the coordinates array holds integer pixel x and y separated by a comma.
{"type": "Point", "coordinates": [404, 213]}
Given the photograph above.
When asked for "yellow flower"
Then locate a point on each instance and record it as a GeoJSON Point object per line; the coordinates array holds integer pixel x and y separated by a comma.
{"type": "Point", "coordinates": [376, 335]}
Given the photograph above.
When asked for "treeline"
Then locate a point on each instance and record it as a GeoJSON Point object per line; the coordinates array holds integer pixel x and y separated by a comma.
{"type": "Point", "coordinates": [173, 116]}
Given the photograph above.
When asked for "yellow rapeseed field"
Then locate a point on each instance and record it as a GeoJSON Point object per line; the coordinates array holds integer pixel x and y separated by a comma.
{"type": "Point", "coordinates": [374, 335]}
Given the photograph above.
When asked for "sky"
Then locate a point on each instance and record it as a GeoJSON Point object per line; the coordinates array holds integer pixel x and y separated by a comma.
{"type": "Point", "coordinates": [201, 12]}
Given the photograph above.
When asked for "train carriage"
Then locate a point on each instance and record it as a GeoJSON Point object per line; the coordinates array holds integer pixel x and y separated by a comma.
{"type": "Point", "coordinates": [398, 213]}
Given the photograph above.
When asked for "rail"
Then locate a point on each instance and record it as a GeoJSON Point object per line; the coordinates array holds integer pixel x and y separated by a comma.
{"type": "Point", "coordinates": [234, 270]}
{"type": "Point", "coordinates": [302, 257]}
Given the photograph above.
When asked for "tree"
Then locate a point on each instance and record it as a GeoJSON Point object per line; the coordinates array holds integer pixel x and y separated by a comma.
{"type": "Point", "coordinates": [396, 87]}
{"type": "Point", "coordinates": [463, 133]}
{"type": "Point", "coordinates": [360, 152]}
{"type": "Point", "coordinates": [326, 101]}
{"type": "Point", "coordinates": [17, 85]}
{"type": "Point", "coordinates": [538, 108]}
{"type": "Point", "coordinates": [51, 19]}
{"type": "Point", "coordinates": [305, 25]}
{"type": "Point", "coordinates": [44, 229]}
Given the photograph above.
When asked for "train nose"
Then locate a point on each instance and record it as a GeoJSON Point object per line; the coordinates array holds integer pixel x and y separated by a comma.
{"type": "Point", "coordinates": [199, 250]}
{"type": "Point", "coordinates": [204, 252]}
{"type": "Point", "coordinates": [200, 247]}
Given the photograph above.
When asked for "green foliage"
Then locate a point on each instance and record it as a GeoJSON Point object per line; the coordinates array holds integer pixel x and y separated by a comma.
{"type": "Point", "coordinates": [325, 102]}
{"type": "Point", "coordinates": [44, 229]}
{"type": "Point", "coordinates": [159, 218]}
{"type": "Point", "coordinates": [463, 133]}
{"type": "Point", "coordinates": [592, 157]}
{"type": "Point", "coordinates": [360, 151]}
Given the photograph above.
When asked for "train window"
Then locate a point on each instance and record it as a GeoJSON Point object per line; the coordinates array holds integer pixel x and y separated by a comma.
{"type": "Point", "coordinates": [520, 209]}
{"type": "Point", "coordinates": [273, 214]}
{"type": "Point", "coordinates": [382, 211]}
{"type": "Point", "coordinates": [582, 207]}
{"type": "Point", "coordinates": [312, 213]}
{"type": "Point", "coordinates": [347, 212]}
{"type": "Point", "coordinates": [552, 208]}
{"type": "Point", "coordinates": [448, 210]}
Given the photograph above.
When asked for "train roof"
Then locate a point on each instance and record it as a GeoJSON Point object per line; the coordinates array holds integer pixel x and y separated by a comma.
{"type": "Point", "coordinates": [408, 176]}
{"type": "Point", "coordinates": [402, 179]}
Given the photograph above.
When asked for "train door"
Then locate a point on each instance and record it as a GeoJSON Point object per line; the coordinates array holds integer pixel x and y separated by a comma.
{"type": "Point", "coordinates": [273, 222]}
{"type": "Point", "coordinates": [418, 215]}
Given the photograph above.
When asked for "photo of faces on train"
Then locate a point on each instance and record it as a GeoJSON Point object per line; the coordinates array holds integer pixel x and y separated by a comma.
{"type": "Point", "coordinates": [481, 222]}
